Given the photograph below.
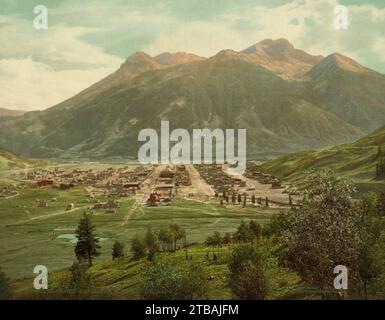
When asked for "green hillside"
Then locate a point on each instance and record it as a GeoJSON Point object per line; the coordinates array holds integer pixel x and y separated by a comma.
{"type": "Point", "coordinates": [10, 161]}
{"type": "Point", "coordinates": [355, 160]}
{"type": "Point", "coordinates": [121, 279]}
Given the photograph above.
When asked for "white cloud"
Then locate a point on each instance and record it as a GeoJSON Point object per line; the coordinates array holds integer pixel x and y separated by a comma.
{"type": "Point", "coordinates": [29, 85]}
{"type": "Point", "coordinates": [43, 68]}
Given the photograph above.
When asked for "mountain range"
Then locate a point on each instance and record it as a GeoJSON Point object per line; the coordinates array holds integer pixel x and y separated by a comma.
{"type": "Point", "coordinates": [287, 99]}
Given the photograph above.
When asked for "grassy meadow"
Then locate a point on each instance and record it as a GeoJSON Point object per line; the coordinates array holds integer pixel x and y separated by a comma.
{"type": "Point", "coordinates": [29, 234]}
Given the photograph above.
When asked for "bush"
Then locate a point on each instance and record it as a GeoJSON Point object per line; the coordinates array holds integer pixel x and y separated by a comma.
{"type": "Point", "coordinates": [248, 278]}
{"type": "Point", "coordinates": [165, 281]}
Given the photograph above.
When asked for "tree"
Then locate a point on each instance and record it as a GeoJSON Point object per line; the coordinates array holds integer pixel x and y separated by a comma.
{"type": "Point", "coordinates": [215, 240]}
{"type": "Point", "coordinates": [266, 202]}
{"type": "Point", "coordinates": [87, 246]}
{"type": "Point", "coordinates": [166, 281]}
{"type": "Point", "coordinates": [255, 228]}
{"type": "Point", "coordinates": [80, 279]}
{"type": "Point", "coordinates": [152, 243]}
{"type": "Point", "coordinates": [371, 262]}
{"type": "Point", "coordinates": [166, 237]}
{"type": "Point", "coordinates": [381, 204]}
{"type": "Point", "coordinates": [248, 279]}
{"type": "Point", "coordinates": [5, 290]}
{"type": "Point", "coordinates": [243, 233]}
{"type": "Point", "coordinates": [178, 233]}
{"type": "Point", "coordinates": [324, 231]}
{"type": "Point", "coordinates": [117, 250]}
{"type": "Point", "coordinates": [227, 238]}
{"type": "Point", "coordinates": [239, 198]}
{"type": "Point", "coordinates": [253, 199]}
{"type": "Point", "coordinates": [233, 197]}
{"type": "Point", "coordinates": [138, 247]}
{"type": "Point", "coordinates": [244, 200]}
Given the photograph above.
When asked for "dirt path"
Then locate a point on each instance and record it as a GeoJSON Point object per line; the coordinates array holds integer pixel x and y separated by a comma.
{"type": "Point", "coordinates": [198, 187]}
{"type": "Point", "coordinates": [47, 216]}
{"type": "Point", "coordinates": [141, 195]}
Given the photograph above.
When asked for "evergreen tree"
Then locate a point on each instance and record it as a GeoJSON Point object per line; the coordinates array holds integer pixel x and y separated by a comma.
{"type": "Point", "coordinates": [253, 199]}
{"type": "Point", "coordinates": [87, 246]}
{"type": "Point", "coordinates": [117, 250]}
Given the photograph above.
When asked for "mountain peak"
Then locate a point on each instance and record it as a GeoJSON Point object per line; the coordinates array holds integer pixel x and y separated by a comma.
{"type": "Point", "coordinates": [168, 59]}
{"type": "Point", "coordinates": [337, 61]}
{"type": "Point", "coordinates": [139, 61]}
{"type": "Point", "coordinates": [279, 45]}
{"type": "Point", "coordinates": [281, 57]}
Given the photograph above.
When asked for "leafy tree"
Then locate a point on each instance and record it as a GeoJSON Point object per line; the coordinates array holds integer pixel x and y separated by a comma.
{"type": "Point", "coordinates": [166, 281]}
{"type": "Point", "coordinates": [253, 199]}
{"type": "Point", "coordinates": [381, 204]}
{"type": "Point", "coordinates": [255, 228]}
{"type": "Point", "coordinates": [87, 246]}
{"type": "Point", "coordinates": [233, 197]}
{"type": "Point", "coordinates": [371, 262]}
{"type": "Point", "coordinates": [178, 233]}
{"type": "Point", "coordinates": [244, 200]}
{"type": "Point", "coordinates": [324, 231]}
{"type": "Point", "coordinates": [239, 198]}
{"type": "Point", "coordinates": [138, 247]}
{"type": "Point", "coordinates": [215, 240]}
{"type": "Point", "coordinates": [5, 290]}
{"type": "Point", "coordinates": [243, 233]}
{"type": "Point", "coordinates": [166, 237]}
{"type": "Point", "coordinates": [227, 238]}
{"type": "Point", "coordinates": [80, 279]}
{"type": "Point", "coordinates": [117, 250]}
{"type": "Point", "coordinates": [248, 279]}
{"type": "Point", "coordinates": [152, 243]}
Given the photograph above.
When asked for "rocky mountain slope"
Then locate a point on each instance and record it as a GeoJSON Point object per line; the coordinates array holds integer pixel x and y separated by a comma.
{"type": "Point", "coordinates": [287, 100]}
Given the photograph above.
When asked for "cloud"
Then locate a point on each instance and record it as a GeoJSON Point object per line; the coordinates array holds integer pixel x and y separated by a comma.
{"type": "Point", "coordinates": [39, 69]}
{"type": "Point", "coordinates": [86, 41]}
{"type": "Point", "coordinates": [29, 85]}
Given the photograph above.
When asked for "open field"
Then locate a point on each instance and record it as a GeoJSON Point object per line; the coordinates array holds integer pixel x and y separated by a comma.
{"type": "Point", "coordinates": [29, 235]}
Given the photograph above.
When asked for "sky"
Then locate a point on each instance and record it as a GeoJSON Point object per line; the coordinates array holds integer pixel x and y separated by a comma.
{"type": "Point", "coordinates": [88, 39]}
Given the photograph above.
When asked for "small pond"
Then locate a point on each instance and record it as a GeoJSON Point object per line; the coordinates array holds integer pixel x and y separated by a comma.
{"type": "Point", "coordinates": [71, 237]}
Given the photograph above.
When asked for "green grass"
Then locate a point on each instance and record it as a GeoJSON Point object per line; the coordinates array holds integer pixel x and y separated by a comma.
{"type": "Point", "coordinates": [121, 279]}
{"type": "Point", "coordinates": [28, 234]}
{"type": "Point", "coordinates": [356, 161]}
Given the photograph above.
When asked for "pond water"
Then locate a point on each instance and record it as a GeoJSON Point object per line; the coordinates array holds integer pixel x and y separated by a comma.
{"type": "Point", "coordinates": [71, 237]}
